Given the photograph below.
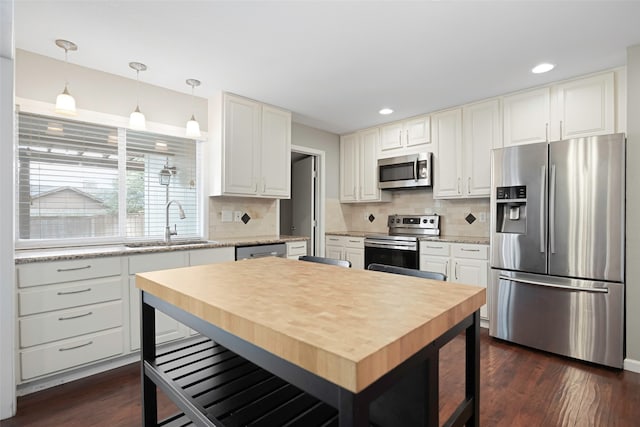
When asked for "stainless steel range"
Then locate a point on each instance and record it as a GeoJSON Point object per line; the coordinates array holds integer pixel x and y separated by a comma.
{"type": "Point", "coordinates": [400, 246]}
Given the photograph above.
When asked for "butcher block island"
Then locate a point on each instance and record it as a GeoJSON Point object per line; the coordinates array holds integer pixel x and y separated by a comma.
{"type": "Point", "coordinates": [313, 344]}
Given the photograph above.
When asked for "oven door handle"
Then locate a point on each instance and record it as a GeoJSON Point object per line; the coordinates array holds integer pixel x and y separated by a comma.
{"type": "Point", "coordinates": [390, 245]}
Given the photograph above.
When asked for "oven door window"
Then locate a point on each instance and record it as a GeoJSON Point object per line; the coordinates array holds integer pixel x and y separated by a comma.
{"type": "Point", "coordinates": [395, 257]}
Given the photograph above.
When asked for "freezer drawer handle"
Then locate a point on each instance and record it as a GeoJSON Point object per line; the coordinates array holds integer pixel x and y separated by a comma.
{"type": "Point", "coordinates": [552, 285]}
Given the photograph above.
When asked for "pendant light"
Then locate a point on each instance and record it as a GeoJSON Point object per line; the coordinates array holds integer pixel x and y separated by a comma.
{"type": "Point", "coordinates": [137, 120]}
{"type": "Point", "coordinates": [65, 104]}
{"type": "Point", "coordinates": [193, 127]}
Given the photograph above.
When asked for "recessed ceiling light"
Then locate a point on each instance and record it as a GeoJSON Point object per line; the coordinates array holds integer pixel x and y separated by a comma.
{"type": "Point", "coordinates": [385, 111]}
{"type": "Point", "coordinates": [542, 68]}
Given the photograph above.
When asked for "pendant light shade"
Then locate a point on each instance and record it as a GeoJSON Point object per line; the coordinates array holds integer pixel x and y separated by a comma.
{"type": "Point", "coordinates": [137, 120]}
{"type": "Point", "coordinates": [65, 104]}
{"type": "Point", "coordinates": [193, 127]}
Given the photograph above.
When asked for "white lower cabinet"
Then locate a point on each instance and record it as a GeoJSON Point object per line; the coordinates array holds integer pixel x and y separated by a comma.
{"type": "Point", "coordinates": [70, 313]}
{"type": "Point", "coordinates": [460, 262]}
{"type": "Point", "coordinates": [346, 248]}
{"type": "Point", "coordinates": [167, 329]}
{"type": "Point", "coordinates": [296, 249]}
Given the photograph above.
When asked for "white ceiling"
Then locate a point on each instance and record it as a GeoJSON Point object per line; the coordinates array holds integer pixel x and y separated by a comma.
{"type": "Point", "coordinates": [336, 63]}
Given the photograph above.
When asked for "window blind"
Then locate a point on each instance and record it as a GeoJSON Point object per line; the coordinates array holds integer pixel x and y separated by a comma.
{"type": "Point", "coordinates": [67, 179]}
{"type": "Point", "coordinates": [149, 155]}
{"type": "Point", "coordinates": [70, 177]}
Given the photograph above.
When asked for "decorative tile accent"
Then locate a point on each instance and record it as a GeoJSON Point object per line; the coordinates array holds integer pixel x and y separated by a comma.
{"type": "Point", "coordinates": [245, 218]}
{"type": "Point", "coordinates": [470, 218]}
{"type": "Point", "coordinates": [371, 217]}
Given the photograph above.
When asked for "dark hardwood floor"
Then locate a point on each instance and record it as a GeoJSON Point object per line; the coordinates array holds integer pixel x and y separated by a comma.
{"type": "Point", "coordinates": [519, 387]}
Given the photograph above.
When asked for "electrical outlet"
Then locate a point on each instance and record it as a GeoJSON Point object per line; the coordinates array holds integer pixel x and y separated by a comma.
{"type": "Point", "coordinates": [227, 216]}
{"type": "Point", "coordinates": [482, 217]}
{"type": "Point", "coordinates": [237, 216]}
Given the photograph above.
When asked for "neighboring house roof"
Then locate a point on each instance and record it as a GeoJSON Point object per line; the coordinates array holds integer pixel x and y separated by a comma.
{"type": "Point", "coordinates": [66, 201]}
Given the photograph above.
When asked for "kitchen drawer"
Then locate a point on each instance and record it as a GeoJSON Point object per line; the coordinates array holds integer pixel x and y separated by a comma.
{"type": "Point", "coordinates": [212, 255]}
{"type": "Point", "coordinates": [67, 354]}
{"type": "Point", "coordinates": [435, 248]}
{"type": "Point", "coordinates": [354, 242]}
{"type": "Point", "coordinates": [46, 273]}
{"type": "Point", "coordinates": [335, 240]}
{"type": "Point", "coordinates": [470, 251]}
{"type": "Point", "coordinates": [59, 325]}
{"type": "Point", "coordinates": [296, 248]}
{"type": "Point", "coordinates": [75, 294]}
{"type": "Point", "coordinates": [158, 261]}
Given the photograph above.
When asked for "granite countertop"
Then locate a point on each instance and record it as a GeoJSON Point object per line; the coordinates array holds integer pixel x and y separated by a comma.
{"type": "Point", "coordinates": [25, 256]}
{"type": "Point", "coordinates": [444, 238]}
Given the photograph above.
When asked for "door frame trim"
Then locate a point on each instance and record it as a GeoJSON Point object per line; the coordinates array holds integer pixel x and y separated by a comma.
{"type": "Point", "coordinates": [320, 195]}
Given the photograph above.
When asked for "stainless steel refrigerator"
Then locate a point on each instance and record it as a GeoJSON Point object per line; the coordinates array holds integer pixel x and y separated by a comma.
{"type": "Point", "coordinates": [557, 247]}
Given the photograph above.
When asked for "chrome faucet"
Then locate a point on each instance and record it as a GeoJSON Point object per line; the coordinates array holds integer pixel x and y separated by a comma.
{"type": "Point", "coordinates": [167, 230]}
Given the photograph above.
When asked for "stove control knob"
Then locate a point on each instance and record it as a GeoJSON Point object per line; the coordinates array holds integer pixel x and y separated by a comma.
{"type": "Point", "coordinates": [431, 221]}
{"type": "Point", "coordinates": [424, 221]}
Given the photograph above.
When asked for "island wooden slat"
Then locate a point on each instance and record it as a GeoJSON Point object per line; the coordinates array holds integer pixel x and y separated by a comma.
{"type": "Point", "coordinates": [345, 336]}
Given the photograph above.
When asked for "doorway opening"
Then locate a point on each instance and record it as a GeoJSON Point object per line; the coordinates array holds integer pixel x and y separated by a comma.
{"type": "Point", "coordinates": [302, 215]}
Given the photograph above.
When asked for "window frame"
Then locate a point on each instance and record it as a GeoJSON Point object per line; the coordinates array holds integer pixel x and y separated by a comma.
{"type": "Point", "coordinates": [120, 123]}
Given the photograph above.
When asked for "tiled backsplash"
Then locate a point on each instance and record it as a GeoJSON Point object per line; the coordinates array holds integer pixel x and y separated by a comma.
{"type": "Point", "coordinates": [263, 214]}
{"type": "Point", "coordinates": [353, 216]}
{"type": "Point", "coordinates": [410, 202]}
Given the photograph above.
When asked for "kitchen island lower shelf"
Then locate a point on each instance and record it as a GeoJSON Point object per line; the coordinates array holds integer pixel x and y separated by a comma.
{"type": "Point", "coordinates": [215, 386]}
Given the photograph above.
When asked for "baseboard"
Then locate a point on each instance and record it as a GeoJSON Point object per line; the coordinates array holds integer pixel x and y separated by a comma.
{"type": "Point", "coordinates": [632, 365]}
{"type": "Point", "coordinates": [65, 377]}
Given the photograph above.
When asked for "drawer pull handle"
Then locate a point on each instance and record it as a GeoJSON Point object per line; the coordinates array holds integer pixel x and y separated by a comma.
{"type": "Point", "coordinates": [469, 250]}
{"type": "Point", "coordinates": [74, 347]}
{"type": "Point", "coordinates": [74, 292]}
{"type": "Point", "coordinates": [297, 247]}
{"type": "Point", "coordinates": [435, 247]}
{"type": "Point", "coordinates": [75, 317]}
{"type": "Point", "coordinates": [60, 270]}
{"type": "Point", "coordinates": [354, 241]}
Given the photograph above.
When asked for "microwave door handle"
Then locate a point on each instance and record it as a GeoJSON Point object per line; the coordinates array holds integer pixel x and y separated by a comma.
{"type": "Point", "coordinates": [416, 171]}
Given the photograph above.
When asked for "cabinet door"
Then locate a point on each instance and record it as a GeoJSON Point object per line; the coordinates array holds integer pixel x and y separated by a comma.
{"type": "Point", "coordinates": [586, 107]}
{"type": "Point", "coordinates": [348, 168]}
{"type": "Point", "coordinates": [368, 176]}
{"type": "Point", "coordinates": [333, 251]}
{"type": "Point", "coordinates": [167, 328]}
{"type": "Point", "coordinates": [241, 145]}
{"type": "Point", "coordinates": [447, 136]}
{"type": "Point", "coordinates": [436, 264]}
{"type": "Point", "coordinates": [417, 131]}
{"type": "Point", "coordinates": [390, 137]}
{"type": "Point", "coordinates": [275, 179]}
{"type": "Point", "coordinates": [526, 117]}
{"type": "Point", "coordinates": [471, 272]}
{"type": "Point", "coordinates": [356, 256]}
{"type": "Point", "coordinates": [481, 133]}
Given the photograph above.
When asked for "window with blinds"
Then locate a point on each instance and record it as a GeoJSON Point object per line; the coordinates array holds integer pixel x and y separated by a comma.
{"type": "Point", "coordinates": [72, 175]}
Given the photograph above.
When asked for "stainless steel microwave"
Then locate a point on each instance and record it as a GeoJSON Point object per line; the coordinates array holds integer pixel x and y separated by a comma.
{"type": "Point", "coordinates": [409, 171]}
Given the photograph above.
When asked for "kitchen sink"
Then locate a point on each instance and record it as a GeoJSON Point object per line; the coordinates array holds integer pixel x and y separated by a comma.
{"type": "Point", "coordinates": [152, 243]}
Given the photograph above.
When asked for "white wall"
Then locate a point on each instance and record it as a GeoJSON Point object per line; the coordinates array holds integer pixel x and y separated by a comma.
{"type": "Point", "coordinates": [7, 295]}
{"type": "Point", "coordinates": [633, 207]}
{"type": "Point", "coordinates": [41, 78]}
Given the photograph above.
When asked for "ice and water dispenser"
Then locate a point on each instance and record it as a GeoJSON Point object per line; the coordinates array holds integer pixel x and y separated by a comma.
{"type": "Point", "coordinates": [511, 209]}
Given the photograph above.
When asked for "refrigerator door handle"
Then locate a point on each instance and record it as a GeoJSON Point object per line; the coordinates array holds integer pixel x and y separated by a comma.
{"type": "Point", "coordinates": [543, 188]}
{"type": "Point", "coordinates": [554, 285]}
{"type": "Point", "coordinates": [552, 210]}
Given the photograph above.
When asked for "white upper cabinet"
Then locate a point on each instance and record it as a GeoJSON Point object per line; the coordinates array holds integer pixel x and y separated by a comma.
{"type": "Point", "coordinates": [250, 148]}
{"type": "Point", "coordinates": [481, 132]}
{"type": "Point", "coordinates": [578, 108]}
{"type": "Point", "coordinates": [447, 136]}
{"type": "Point", "coordinates": [527, 116]}
{"type": "Point", "coordinates": [405, 137]}
{"type": "Point", "coordinates": [359, 167]}
{"type": "Point", "coordinates": [585, 107]}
